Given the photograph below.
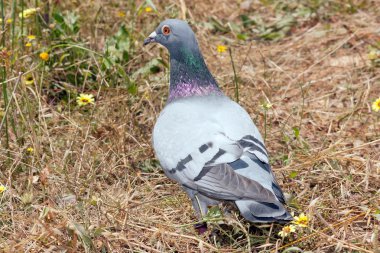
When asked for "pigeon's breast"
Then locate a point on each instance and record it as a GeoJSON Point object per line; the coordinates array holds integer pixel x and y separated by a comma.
{"type": "Point", "coordinates": [186, 124]}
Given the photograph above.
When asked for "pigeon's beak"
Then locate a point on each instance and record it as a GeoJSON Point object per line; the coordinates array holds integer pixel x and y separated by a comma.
{"type": "Point", "coordinates": [151, 38]}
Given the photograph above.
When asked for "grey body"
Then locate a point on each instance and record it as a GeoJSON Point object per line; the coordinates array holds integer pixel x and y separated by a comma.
{"type": "Point", "coordinates": [208, 143]}
{"type": "Point", "coordinates": [241, 174]}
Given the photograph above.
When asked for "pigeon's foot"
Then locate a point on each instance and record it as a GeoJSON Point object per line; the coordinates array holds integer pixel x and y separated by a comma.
{"type": "Point", "coordinates": [201, 227]}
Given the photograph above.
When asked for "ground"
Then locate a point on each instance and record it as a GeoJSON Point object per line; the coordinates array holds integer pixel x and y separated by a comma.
{"type": "Point", "coordinates": [82, 177]}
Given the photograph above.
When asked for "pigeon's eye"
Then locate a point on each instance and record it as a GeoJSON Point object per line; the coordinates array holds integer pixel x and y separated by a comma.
{"type": "Point", "coordinates": [166, 30]}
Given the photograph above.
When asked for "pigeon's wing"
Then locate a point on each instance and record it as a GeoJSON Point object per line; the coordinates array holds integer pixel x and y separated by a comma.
{"type": "Point", "coordinates": [256, 164]}
{"type": "Point", "coordinates": [208, 170]}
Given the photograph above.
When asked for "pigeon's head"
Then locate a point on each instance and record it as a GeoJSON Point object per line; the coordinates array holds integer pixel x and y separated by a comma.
{"type": "Point", "coordinates": [173, 34]}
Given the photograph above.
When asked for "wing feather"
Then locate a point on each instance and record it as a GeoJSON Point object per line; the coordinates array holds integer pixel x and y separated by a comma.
{"type": "Point", "coordinates": [233, 185]}
{"type": "Point", "coordinates": [219, 169]}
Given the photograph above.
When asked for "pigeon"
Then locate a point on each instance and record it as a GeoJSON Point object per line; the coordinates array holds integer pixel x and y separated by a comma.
{"type": "Point", "coordinates": [208, 143]}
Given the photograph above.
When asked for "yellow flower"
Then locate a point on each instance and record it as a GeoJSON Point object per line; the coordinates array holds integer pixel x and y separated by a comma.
{"type": "Point", "coordinates": [266, 105]}
{"type": "Point", "coordinates": [287, 230]}
{"type": "Point", "coordinates": [85, 99]}
{"type": "Point", "coordinates": [301, 220]}
{"type": "Point", "coordinates": [29, 80]}
{"type": "Point", "coordinates": [376, 105]}
{"type": "Point", "coordinates": [146, 95]}
{"type": "Point", "coordinates": [94, 201]}
{"type": "Point", "coordinates": [120, 14]}
{"type": "Point", "coordinates": [148, 9]}
{"type": "Point", "coordinates": [8, 21]}
{"type": "Point", "coordinates": [2, 188]}
{"type": "Point", "coordinates": [30, 150]}
{"type": "Point", "coordinates": [373, 54]}
{"type": "Point", "coordinates": [28, 12]}
{"type": "Point", "coordinates": [221, 48]}
{"type": "Point", "coordinates": [31, 37]}
{"type": "Point", "coordinates": [44, 56]}
{"type": "Point", "coordinates": [2, 113]}
{"type": "Point", "coordinates": [28, 44]}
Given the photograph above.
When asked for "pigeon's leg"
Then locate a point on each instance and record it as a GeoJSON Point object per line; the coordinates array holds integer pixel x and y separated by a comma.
{"type": "Point", "coordinates": [200, 204]}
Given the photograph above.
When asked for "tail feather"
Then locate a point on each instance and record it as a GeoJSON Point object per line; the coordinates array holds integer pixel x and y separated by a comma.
{"type": "Point", "coordinates": [259, 212]}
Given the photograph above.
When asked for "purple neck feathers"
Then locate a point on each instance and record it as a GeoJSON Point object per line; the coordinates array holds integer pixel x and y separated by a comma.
{"type": "Point", "coordinates": [189, 75]}
{"type": "Point", "coordinates": [183, 90]}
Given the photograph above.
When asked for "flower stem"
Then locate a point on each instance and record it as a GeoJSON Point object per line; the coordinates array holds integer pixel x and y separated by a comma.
{"type": "Point", "coordinates": [3, 78]}
{"type": "Point", "coordinates": [14, 6]}
{"type": "Point", "coordinates": [265, 125]}
{"type": "Point", "coordinates": [235, 76]}
{"type": "Point", "coordinates": [22, 25]}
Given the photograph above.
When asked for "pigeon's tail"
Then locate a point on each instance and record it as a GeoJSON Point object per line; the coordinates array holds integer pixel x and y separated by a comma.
{"type": "Point", "coordinates": [259, 212]}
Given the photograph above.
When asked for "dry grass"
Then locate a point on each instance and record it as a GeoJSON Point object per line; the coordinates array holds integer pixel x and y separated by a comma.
{"type": "Point", "coordinates": [92, 183]}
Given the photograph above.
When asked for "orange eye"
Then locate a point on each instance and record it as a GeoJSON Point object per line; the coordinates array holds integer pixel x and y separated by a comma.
{"type": "Point", "coordinates": [166, 30]}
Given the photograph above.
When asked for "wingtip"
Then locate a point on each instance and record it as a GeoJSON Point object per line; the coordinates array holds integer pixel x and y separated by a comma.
{"type": "Point", "coordinates": [258, 212]}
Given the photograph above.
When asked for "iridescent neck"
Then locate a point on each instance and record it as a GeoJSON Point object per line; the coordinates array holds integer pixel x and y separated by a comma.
{"type": "Point", "coordinates": [189, 75]}
{"type": "Point", "coordinates": [183, 90]}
